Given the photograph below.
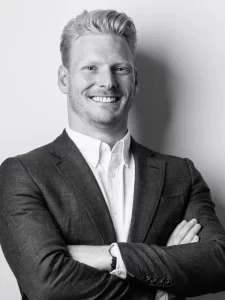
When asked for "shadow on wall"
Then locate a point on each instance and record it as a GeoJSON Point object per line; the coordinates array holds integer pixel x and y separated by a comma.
{"type": "Point", "coordinates": [220, 208]}
{"type": "Point", "coordinates": [150, 117]}
{"type": "Point", "coordinates": [220, 212]}
{"type": "Point", "coordinates": [151, 111]}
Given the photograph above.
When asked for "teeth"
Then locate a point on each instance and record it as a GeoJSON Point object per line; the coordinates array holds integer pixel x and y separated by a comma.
{"type": "Point", "coordinates": [104, 99]}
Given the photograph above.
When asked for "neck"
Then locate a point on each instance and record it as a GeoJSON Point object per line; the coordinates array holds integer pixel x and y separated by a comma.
{"type": "Point", "coordinates": [108, 134]}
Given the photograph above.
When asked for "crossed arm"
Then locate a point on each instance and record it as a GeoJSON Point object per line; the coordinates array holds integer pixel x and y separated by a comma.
{"type": "Point", "coordinates": [98, 256]}
{"type": "Point", "coordinates": [38, 255]}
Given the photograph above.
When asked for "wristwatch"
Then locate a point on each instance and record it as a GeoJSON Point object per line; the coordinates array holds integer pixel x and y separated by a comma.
{"type": "Point", "coordinates": [114, 258]}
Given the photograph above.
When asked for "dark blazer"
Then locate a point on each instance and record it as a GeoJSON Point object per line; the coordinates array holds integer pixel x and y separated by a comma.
{"type": "Point", "coordinates": [49, 199]}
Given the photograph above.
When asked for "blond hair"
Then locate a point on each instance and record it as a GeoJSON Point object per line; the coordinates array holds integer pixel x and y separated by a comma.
{"type": "Point", "coordinates": [97, 22]}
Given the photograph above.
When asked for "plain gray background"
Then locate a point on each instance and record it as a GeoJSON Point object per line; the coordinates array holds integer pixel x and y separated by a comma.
{"type": "Point", "coordinates": [181, 103]}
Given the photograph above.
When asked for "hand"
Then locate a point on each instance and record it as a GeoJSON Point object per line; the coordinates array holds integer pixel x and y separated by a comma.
{"type": "Point", "coordinates": [184, 233]}
{"type": "Point", "coordinates": [97, 257]}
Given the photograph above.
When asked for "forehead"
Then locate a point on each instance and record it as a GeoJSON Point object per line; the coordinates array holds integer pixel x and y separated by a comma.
{"type": "Point", "coordinates": [102, 48]}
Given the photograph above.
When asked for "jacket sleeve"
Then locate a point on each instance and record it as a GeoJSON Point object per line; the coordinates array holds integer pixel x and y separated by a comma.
{"type": "Point", "coordinates": [186, 270]}
{"type": "Point", "coordinates": [35, 248]}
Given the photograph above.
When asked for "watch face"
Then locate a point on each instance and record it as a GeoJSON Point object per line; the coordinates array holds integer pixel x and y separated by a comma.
{"type": "Point", "coordinates": [113, 265]}
{"type": "Point", "coordinates": [114, 258]}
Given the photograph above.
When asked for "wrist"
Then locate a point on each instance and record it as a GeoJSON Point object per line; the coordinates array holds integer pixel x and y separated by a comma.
{"type": "Point", "coordinates": [113, 257]}
{"type": "Point", "coordinates": [106, 258]}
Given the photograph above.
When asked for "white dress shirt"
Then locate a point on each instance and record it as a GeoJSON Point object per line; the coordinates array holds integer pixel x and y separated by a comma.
{"type": "Point", "coordinates": [114, 170]}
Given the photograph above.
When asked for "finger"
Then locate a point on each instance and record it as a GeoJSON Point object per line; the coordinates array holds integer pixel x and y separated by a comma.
{"type": "Point", "coordinates": [191, 234]}
{"type": "Point", "coordinates": [183, 231]}
{"type": "Point", "coordinates": [171, 240]}
{"type": "Point", "coordinates": [195, 239]}
{"type": "Point", "coordinates": [178, 228]}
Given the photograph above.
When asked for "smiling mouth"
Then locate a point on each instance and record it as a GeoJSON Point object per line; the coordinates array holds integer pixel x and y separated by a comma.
{"type": "Point", "coordinates": [105, 99]}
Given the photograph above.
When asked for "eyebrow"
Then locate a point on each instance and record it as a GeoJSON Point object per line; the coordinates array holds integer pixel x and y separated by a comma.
{"type": "Point", "coordinates": [126, 63]}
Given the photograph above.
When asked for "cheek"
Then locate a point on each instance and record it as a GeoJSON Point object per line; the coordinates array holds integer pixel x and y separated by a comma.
{"type": "Point", "coordinates": [85, 82]}
{"type": "Point", "coordinates": [128, 85]}
{"type": "Point", "coordinates": [79, 85]}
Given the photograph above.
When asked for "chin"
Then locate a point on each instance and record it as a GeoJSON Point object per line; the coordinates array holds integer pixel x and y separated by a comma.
{"type": "Point", "coordinates": [107, 121]}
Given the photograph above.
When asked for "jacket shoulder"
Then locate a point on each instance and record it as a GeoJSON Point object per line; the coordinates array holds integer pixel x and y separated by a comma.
{"type": "Point", "coordinates": [167, 158]}
{"type": "Point", "coordinates": [43, 155]}
{"type": "Point", "coordinates": [32, 156]}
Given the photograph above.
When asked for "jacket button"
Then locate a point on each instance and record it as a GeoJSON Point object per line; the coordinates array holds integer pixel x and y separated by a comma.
{"type": "Point", "coordinates": [145, 277]}
{"type": "Point", "coordinates": [166, 280]}
{"type": "Point", "coordinates": [151, 279]}
{"type": "Point", "coordinates": [159, 280]}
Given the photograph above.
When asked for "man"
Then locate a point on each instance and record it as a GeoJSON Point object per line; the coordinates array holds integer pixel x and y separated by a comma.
{"type": "Point", "coordinates": [90, 215]}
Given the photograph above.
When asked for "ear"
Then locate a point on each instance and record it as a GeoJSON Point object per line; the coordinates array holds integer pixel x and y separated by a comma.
{"type": "Point", "coordinates": [136, 82]}
{"type": "Point", "coordinates": [63, 79]}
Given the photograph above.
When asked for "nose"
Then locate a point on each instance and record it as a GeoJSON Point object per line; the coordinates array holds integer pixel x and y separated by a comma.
{"type": "Point", "coordinates": [107, 79]}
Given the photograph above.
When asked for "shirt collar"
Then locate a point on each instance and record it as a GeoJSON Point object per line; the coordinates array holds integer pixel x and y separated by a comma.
{"type": "Point", "coordinates": [93, 149]}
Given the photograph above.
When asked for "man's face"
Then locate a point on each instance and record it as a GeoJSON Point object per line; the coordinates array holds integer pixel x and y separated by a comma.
{"type": "Point", "coordinates": [101, 80]}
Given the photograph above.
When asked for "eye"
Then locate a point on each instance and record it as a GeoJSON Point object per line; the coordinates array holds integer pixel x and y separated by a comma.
{"type": "Point", "coordinates": [122, 70]}
{"type": "Point", "coordinates": [91, 68]}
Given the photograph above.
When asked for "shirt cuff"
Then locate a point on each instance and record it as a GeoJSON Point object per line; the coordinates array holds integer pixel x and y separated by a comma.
{"type": "Point", "coordinates": [120, 270]}
{"type": "Point", "coordinates": [161, 295]}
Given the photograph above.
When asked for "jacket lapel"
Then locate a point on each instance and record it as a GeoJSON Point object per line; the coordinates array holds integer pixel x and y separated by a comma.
{"type": "Point", "coordinates": [78, 175]}
{"type": "Point", "coordinates": [149, 179]}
